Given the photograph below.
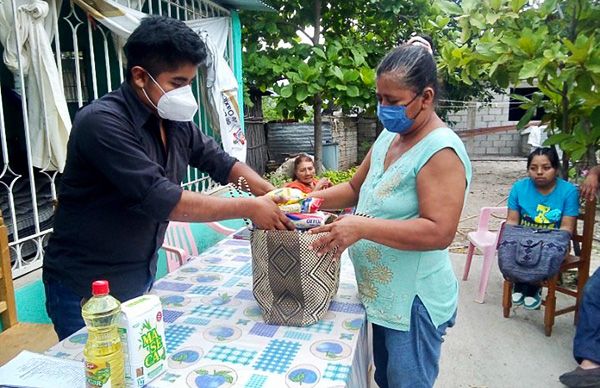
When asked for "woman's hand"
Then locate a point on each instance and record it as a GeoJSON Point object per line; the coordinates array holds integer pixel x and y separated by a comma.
{"type": "Point", "coordinates": [322, 184]}
{"type": "Point", "coordinates": [341, 233]}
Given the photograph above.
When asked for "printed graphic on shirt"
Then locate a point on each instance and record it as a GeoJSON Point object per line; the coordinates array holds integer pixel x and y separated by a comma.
{"type": "Point", "coordinates": [546, 218]}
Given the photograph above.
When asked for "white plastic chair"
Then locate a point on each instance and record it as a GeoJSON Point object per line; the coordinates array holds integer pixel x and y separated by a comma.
{"type": "Point", "coordinates": [180, 245]}
{"type": "Point", "coordinates": [486, 240]}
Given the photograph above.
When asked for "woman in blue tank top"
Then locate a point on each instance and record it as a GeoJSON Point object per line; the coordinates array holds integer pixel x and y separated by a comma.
{"type": "Point", "coordinates": [411, 187]}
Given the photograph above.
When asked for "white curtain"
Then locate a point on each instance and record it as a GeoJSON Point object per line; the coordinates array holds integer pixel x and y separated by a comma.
{"type": "Point", "coordinates": [220, 92]}
{"type": "Point", "coordinates": [49, 120]}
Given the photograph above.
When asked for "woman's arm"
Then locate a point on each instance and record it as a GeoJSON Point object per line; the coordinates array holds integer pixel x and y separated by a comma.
{"type": "Point", "coordinates": [512, 218]}
{"type": "Point", "coordinates": [568, 223]}
{"type": "Point", "coordinates": [441, 189]}
{"type": "Point", "coordinates": [345, 194]}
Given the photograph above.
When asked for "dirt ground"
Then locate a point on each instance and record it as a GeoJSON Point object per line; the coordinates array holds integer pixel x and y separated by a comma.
{"type": "Point", "coordinates": [491, 183]}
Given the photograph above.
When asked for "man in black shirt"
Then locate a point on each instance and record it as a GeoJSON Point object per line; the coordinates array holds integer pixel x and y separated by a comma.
{"type": "Point", "coordinates": [127, 154]}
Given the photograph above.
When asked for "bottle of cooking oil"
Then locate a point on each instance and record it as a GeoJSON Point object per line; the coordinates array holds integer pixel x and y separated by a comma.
{"type": "Point", "coordinates": [103, 352]}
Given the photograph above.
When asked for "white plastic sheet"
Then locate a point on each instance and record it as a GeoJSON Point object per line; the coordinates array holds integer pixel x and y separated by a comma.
{"type": "Point", "coordinates": [49, 120]}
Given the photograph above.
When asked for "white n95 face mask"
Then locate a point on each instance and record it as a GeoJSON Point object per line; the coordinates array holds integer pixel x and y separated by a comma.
{"type": "Point", "coordinates": [176, 105]}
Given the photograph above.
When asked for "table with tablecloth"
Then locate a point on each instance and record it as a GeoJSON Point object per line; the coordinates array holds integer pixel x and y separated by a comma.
{"type": "Point", "coordinates": [216, 337]}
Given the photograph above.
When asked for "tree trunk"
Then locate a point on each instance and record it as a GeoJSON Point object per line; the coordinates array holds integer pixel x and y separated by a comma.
{"type": "Point", "coordinates": [565, 129]}
{"type": "Point", "coordinates": [318, 108]}
{"type": "Point", "coordinates": [318, 100]}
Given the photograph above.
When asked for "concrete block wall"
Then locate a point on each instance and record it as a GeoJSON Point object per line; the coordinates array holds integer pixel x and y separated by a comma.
{"type": "Point", "coordinates": [367, 133]}
{"type": "Point", "coordinates": [482, 115]}
{"type": "Point", "coordinates": [501, 142]}
{"type": "Point", "coordinates": [344, 131]}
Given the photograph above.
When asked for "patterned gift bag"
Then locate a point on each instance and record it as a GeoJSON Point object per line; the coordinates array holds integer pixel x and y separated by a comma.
{"type": "Point", "coordinates": [292, 285]}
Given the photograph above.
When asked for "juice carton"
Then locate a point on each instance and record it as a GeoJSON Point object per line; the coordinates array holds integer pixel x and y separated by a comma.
{"type": "Point", "coordinates": [143, 336]}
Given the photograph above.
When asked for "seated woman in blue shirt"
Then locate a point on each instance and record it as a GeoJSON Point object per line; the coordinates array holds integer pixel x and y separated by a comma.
{"type": "Point", "coordinates": [543, 200]}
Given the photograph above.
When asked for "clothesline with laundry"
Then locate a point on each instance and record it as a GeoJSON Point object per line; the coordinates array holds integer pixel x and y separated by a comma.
{"type": "Point", "coordinates": [27, 37]}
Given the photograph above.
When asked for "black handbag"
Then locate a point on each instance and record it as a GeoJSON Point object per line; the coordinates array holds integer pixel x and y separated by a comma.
{"type": "Point", "coordinates": [530, 255]}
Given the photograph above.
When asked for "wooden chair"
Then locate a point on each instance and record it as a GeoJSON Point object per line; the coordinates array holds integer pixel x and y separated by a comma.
{"type": "Point", "coordinates": [16, 336]}
{"type": "Point", "coordinates": [580, 260]}
{"type": "Point", "coordinates": [8, 308]}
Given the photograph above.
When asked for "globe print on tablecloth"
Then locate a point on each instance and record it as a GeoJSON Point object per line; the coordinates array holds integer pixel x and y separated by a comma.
{"type": "Point", "coordinates": [222, 333]}
{"type": "Point", "coordinates": [185, 358]}
{"type": "Point", "coordinates": [330, 350]}
{"type": "Point", "coordinates": [208, 278]}
{"type": "Point", "coordinates": [212, 260]}
{"type": "Point", "coordinates": [253, 312]}
{"type": "Point", "coordinates": [212, 376]}
{"type": "Point", "coordinates": [174, 301]}
{"type": "Point", "coordinates": [304, 376]}
{"type": "Point", "coordinates": [221, 300]}
{"type": "Point", "coordinates": [76, 341]}
{"type": "Point", "coordinates": [353, 324]}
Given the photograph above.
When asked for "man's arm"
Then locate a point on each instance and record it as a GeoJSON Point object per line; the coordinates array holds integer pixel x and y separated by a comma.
{"type": "Point", "coordinates": [589, 187]}
{"type": "Point", "coordinates": [258, 185]}
{"type": "Point", "coordinates": [208, 156]}
{"type": "Point", "coordinates": [196, 207]}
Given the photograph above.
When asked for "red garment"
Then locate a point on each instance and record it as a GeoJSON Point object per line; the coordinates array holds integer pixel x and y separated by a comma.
{"type": "Point", "coordinates": [302, 186]}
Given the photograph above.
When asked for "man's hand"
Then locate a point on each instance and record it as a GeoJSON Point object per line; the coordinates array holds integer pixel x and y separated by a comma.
{"type": "Point", "coordinates": [341, 233]}
{"type": "Point", "coordinates": [589, 187]}
{"type": "Point", "coordinates": [323, 183]}
{"type": "Point", "coordinates": [266, 215]}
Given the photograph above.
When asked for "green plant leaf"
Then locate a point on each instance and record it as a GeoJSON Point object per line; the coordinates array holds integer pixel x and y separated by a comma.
{"type": "Point", "coordinates": [367, 75]}
{"type": "Point", "coordinates": [338, 73]}
{"type": "Point", "coordinates": [526, 118]}
{"type": "Point", "coordinates": [516, 5]}
{"type": "Point", "coordinates": [530, 69]}
{"type": "Point", "coordinates": [495, 4]}
{"type": "Point", "coordinates": [548, 6]}
{"type": "Point", "coordinates": [448, 7]}
{"type": "Point", "coordinates": [558, 138]}
{"type": "Point", "coordinates": [286, 91]}
{"type": "Point", "coordinates": [319, 52]}
{"type": "Point", "coordinates": [353, 91]}
{"type": "Point", "coordinates": [301, 94]}
{"type": "Point", "coordinates": [351, 75]}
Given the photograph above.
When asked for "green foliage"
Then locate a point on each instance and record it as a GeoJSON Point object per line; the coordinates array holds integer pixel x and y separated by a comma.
{"type": "Point", "coordinates": [339, 67]}
{"type": "Point", "coordinates": [279, 180]}
{"type": "Point", "coordinates": [553, 45]}
{"type": "Point", "coordinates": [339, 176]}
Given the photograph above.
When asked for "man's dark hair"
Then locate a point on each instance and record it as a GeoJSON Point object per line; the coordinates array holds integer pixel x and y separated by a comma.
{"type": "Point", "coordinates": [161, 44]}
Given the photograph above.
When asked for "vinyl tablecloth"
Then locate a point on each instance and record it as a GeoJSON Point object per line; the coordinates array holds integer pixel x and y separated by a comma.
{"type": "Point", "coordinates": [216, 337]}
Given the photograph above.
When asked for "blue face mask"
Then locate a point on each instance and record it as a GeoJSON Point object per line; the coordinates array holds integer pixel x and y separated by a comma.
{"type": "Point", "coordinates": [394, 118]}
